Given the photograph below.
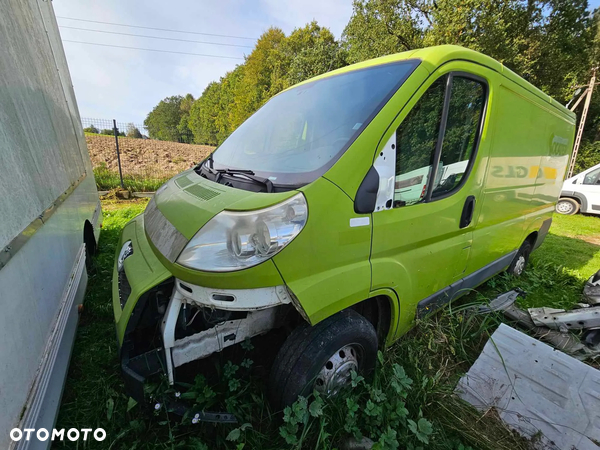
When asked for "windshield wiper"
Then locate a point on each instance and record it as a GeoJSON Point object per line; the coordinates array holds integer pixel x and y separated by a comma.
{"type": "Point", "coordinates": [247, 173]}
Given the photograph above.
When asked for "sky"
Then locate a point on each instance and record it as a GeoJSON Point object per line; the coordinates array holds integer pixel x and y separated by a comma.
{"type": "Point", "coordinates": [125, 84]}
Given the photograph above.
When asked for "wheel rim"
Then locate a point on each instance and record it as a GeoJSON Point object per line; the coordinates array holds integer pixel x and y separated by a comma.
{"type": "Point", "coordinates": [520, 265]}
{"type": "Point", "coordinates": [336, 372]}
{"type": "Point", "coordinates": [564, 207]}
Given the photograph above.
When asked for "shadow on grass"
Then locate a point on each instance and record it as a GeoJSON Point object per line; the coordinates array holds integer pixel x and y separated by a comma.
{"type": "Point", "coordinates": [570, 253]}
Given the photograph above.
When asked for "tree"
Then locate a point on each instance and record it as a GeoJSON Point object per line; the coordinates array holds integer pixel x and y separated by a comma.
{"type": "Point", "coordinates": [545, 41]}
{"type": "Point", "coordinates": [276, 63]}
{"type": "Point", "coordinates": [91, 129]}
{"type": "Point", "coordinates": [383, 27]}
{"type": "Point", "coordinates": [203, 115]}
{"type": "Point", "coordinates": [551, 43]}
{"type": "Point", "coordinates": [164, 121]}
{"type": "Point", "coordinates": [308, 52]}
{"type": "Point", "coordinates": [185, 134]}
{"type": "Point", "coordinates": [133, 131]}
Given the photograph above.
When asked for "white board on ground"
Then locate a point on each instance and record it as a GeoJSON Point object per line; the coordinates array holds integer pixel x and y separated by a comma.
{"type": "Point", "coordinates": [537, 390]}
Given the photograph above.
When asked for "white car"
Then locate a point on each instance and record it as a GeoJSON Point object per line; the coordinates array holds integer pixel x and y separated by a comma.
{"type": "Point", "coordinates": [581, 193]}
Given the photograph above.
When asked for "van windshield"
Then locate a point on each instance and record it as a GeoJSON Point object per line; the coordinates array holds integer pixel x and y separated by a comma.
{"type": "Point", "coordinates": [300, 133]}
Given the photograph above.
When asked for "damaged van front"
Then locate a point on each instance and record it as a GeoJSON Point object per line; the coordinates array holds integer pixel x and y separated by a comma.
{"type": "Point", "coordinates": [263, 235]}
{"type": "Point", "coordinates": [341, 211]}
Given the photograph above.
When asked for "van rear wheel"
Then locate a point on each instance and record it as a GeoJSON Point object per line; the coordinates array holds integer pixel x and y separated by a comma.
{"type": "Point", "coordinates": [322, 357]}
{"type": "Point", "coordinates": [567, 206]}
{"type": "Point", "coordinates": [518, 265]}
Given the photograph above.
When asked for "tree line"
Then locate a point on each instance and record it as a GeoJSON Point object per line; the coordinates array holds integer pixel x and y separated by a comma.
{"type": "Point", "coordinates": [552, 43]}
{"type": "Point", "coordinates": [131, 132]}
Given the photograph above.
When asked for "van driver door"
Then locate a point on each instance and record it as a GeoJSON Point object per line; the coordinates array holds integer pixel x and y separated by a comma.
{"type": "Point", "coordinates": [421, 240]}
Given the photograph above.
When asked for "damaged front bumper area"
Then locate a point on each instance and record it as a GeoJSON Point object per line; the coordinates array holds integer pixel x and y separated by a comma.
{"type": "Point", "coordinates": [164, 323]}
{"type": "Point", "coordinates": [201, 321]}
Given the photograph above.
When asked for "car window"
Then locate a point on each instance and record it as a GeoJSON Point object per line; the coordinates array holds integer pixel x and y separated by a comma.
{"type": "Point", "coordinates": [418, 134]}
{"type": "Point", "coordinates": [301, 132]}
{"type": "Point", "coordinates": [464, 116]}
{"type": "Point", "coordinates": [416, 140]}
{"type": "Point", "coordinates": [593, 177]}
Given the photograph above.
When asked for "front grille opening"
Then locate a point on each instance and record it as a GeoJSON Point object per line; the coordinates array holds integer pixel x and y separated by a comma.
{"type": "Point", "coordinates": [223, 297]}
{"type": "Point", "coordinates": [195, 319]}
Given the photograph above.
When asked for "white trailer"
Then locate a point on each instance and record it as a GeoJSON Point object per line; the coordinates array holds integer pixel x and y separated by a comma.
{"type": "Point", "coordinates": [49, 218]}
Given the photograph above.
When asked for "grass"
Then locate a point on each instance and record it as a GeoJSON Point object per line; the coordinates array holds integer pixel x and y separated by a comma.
{"type": "Point", "coordinates": [107, 179]}
{"type": "Point", "coordinates": [409, 402]}
{"type": "Point", "coordinates": [559, 268]}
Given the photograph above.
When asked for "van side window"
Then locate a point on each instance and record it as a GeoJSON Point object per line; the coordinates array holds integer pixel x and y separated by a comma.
{"type": "Point", "coordinates": [418, 134]}
{"type": "Point", "coordinates": [593, 177]}
{"type": "Point", "coordinates": [416, 139]}
{"type": "Point", "coordinates": [464, 117]}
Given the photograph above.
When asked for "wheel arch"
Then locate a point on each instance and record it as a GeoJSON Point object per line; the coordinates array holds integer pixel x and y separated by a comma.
{"type": "Point", "coordinates": [532, 238]}
{"type": "Point", "coordinates": [579, 198]}
{"type": "Point", "coordinates": [382, 310]}
{"type": "Point", "coordinates": [89, 238]}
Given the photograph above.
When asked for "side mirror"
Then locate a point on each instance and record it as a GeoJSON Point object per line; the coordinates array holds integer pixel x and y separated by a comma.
{"type": "Point", "coordinates": [366, 196]}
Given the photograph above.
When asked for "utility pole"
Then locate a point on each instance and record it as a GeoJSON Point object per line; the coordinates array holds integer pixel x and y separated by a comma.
{"type": "Point", "coordinates": [588, 98]}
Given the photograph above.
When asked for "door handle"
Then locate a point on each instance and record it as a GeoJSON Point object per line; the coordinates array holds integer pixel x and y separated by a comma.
{"type": "Point", "coordinates": [467, 213]}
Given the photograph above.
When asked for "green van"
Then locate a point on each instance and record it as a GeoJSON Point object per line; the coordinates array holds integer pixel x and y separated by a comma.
{"type": "Point", "coordinates": [343, 209]}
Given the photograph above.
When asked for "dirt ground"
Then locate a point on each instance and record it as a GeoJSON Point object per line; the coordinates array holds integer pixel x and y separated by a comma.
{"type": "Point", "coordinates": [144, 156]}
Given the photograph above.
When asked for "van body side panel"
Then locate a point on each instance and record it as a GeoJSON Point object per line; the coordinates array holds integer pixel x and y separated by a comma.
{"type": "Point", "coordinates": [327, 265]}
{"type": "Point", "coordinates": [520, 188]}
{"type": "Point", "coordinates": [559, 138]}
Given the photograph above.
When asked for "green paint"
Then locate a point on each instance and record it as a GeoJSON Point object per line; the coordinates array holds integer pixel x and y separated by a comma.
{"type": "Point", "coordinates": [406, 253]}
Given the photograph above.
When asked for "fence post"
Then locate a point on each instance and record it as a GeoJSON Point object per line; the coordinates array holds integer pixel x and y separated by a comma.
{"type": "Point", "coordinates": [116, 130]}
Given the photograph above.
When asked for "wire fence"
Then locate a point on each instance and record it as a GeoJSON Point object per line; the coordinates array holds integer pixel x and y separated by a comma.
{"type": "Point", "coordinates": [129, 156]}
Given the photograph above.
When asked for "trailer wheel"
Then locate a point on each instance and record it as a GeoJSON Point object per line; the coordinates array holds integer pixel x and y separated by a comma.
{"type": "Point", "coordinates": [90, 245]}
{"type": "Point", "coordinates": [518, 265]}
{"type": "Point", "coordinates": [567, 206]}
{"type": "Point", "coordinates": [322, 357]}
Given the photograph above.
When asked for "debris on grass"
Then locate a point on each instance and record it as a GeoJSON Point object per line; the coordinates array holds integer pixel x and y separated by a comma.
{"type": "Point", "coordinates": [546, 395]}
{"type": "Point", "coordinates": [434, 355]}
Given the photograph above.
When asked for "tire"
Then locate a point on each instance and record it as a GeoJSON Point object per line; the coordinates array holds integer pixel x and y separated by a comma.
{"type": "Point", "coordinates": [567, 206]}
{"type": "Point", "coordinates": [91, 249]}
{"type": "Point", "coordinates": [519, 263]}
{"type": "Point", "coordinates": [308, 355]}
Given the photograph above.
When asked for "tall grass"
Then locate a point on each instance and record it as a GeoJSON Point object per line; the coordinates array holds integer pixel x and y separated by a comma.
{"type": "Point", "coordinates": [107, 179]}
{"type": "Point", "coordinates": [409, 403]}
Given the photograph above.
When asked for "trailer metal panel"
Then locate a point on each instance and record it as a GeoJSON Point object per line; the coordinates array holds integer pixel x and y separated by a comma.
{"type": "Point", "coordinates": [47, 196]}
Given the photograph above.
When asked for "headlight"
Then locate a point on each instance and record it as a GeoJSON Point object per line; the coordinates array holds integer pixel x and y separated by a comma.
{"type": "Point", "coordinates": [236, 240]}
{"type": "Point", "coordinates": [126, 252]}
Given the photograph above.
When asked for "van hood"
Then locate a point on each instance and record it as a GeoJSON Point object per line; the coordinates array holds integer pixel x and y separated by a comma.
{"type": "Point", "coordinates": [188, 201]}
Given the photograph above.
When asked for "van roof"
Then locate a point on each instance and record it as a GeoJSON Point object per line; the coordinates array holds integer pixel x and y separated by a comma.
{"type": "Point", "coordinates": [433, 57]}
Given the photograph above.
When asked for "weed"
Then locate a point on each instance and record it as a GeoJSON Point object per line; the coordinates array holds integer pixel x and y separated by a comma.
{"type": "Point", "coordinates": [409, 401]}
{"type": "Point", "coordinates": [107, 179]}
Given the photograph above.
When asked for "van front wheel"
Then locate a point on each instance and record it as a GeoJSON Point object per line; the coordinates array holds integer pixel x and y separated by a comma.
{"type": "Point", "coordinates": [322, 357]}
